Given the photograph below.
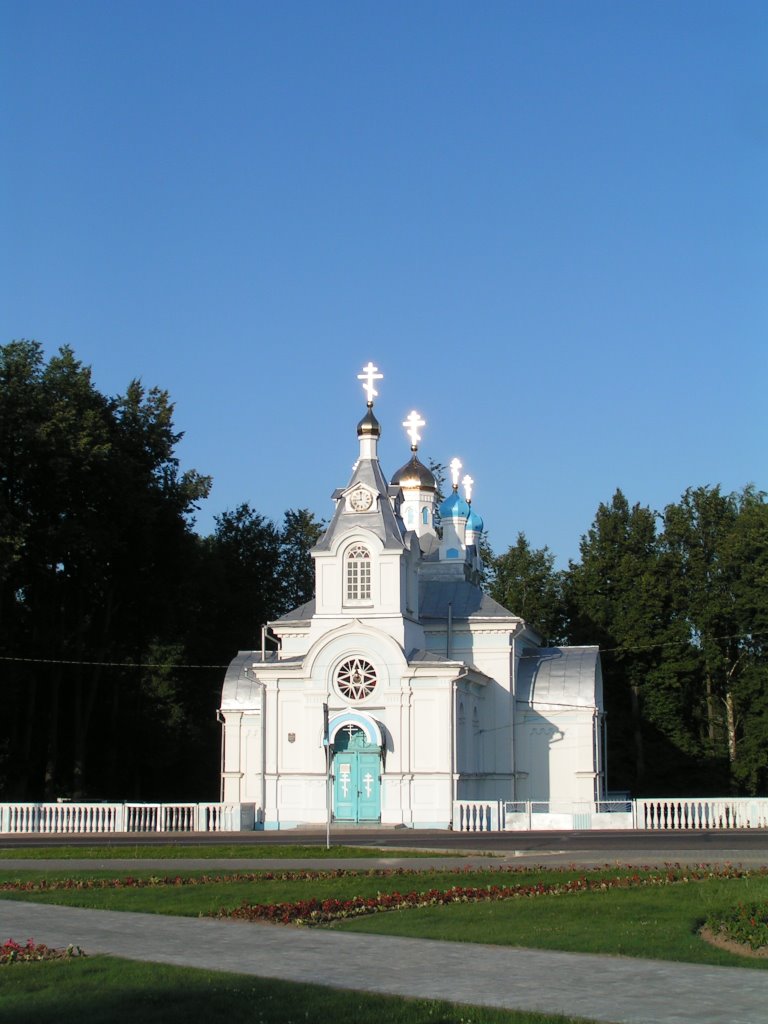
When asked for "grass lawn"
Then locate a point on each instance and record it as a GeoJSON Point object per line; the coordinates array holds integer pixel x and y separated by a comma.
{"type": "Point", "coordinates": [287, 887]}
{"type": "Point", "coordinates": [660, 922]}
{"type": "Point", "coordinates": [105, 990]}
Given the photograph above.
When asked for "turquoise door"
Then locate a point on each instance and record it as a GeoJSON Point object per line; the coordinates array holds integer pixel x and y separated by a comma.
{"type": "Point", "coordinates": [356, 777]}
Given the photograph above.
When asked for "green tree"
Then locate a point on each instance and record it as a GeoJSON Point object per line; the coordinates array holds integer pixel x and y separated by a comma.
{"type": "Point", "coordinates": [524, 579]}
{"type": "Point", "coordinates": [617, 597]}
{"type": "Point", "coordinates": [94, 534]}
{"type": "Point", "coordinates": [300, 532]}
{"type": "Point", "coordinates": [717, 546]}
{"type": "Point", "coordinates": [244, 577]}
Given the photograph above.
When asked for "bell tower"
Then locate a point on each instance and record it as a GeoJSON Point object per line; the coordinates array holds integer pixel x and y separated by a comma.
{"type": "Point", "coordinates": [366, 563]}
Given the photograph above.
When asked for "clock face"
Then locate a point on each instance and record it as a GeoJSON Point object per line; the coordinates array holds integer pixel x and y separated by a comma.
{"type": "Point", "coordinates": [360, 500]}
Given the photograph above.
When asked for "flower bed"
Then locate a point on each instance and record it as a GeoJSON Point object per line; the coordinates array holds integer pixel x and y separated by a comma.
{"type": "Point", "coordinates": [12, 952]}
{"type": "Point", "coordinates": [159, 881]}
{"type": "Point", "coordinates": [746, 924]}
{"type": "Point", "coordinates": [315, 911]}
{"type": "Point", "coordinates": [154, 881]}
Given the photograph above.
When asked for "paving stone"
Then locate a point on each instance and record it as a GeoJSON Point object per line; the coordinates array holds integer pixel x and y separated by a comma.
{"type": "Point", "coordinates": [618, 989]}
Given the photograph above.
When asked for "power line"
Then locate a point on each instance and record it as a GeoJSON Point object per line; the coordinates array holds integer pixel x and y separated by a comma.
{"type": "Point", "coordinates": [104, 664]}
{"type": "Point", "coordinates": [165, 665]}
{"type": "Point", "coordinates": [677, 643]}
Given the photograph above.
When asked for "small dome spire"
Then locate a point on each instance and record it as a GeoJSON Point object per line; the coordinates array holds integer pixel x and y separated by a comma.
{"type": "Point", "coordinates": [415, 473]}
{"type": "Point", "coordinates": [474, 522]}
{"type": "Point", "coordinates": [454, 507]}
{"type": "Point", "coordinates": [369, 426]}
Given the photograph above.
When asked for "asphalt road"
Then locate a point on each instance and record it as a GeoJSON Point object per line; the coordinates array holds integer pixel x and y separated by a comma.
{"type": "Point", "coordinates": [746, 847]}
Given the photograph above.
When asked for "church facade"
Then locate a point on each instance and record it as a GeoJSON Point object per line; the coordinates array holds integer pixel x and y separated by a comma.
{"type": "Point", "coordinates": [403, 688]}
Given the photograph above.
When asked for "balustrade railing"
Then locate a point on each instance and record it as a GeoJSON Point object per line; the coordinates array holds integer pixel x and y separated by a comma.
{"type": "Point", "coordinates": [478, 816]}
{"type": "Point", "coordinates": [657, 814]}
{"type": "Point", "coordinates": [64, 818]}
{"type": "Point", "coordinates": [665, 813]}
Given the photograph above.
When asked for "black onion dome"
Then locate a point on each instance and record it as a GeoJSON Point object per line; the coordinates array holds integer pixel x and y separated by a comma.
{"type": "Point", "coordinates": [369, 426]}
{"type": "Point", "coordinates": [414, 470]}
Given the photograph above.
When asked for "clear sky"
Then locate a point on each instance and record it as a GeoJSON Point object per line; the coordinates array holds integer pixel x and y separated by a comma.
{"type": "Point", "coordinates": [546, 222]}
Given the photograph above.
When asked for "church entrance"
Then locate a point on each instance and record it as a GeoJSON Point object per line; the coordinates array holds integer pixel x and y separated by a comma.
{"type": "Point", "coordinates": [356, 776]}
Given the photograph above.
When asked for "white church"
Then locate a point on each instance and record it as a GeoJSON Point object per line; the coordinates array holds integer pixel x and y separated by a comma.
{"type": "Point", "coordinates": [403, 689]}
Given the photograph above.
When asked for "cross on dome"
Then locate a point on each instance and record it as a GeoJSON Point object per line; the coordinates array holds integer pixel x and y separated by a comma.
{"type": "Point", "coordinates": [412, 424]}
{"type": "Point", "coordinates": [467, 482]}
{"type": "Point", "coordinates": [455, 467]}
{"type": "Point", "coordinates": [368, 376]}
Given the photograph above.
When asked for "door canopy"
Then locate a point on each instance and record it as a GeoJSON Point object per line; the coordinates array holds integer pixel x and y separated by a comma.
{"type": "Point", "coordinates": [369, 725]}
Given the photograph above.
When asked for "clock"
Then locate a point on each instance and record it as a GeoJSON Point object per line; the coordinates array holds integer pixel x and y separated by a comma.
{"type": "Point", "coordinates": [360, 500]}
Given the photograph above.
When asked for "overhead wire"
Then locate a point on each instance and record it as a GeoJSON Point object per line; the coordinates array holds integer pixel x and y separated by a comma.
{"type": "Point", "coordinates": [165, 665]}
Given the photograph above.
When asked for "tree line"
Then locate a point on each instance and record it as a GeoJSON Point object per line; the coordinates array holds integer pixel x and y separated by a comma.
{"type": "Point", "coordinates": [678, 602]}
{"type": "Point", "coordinates": [117, 618]}
{"type": "Point", "coordinates": [107, 594]}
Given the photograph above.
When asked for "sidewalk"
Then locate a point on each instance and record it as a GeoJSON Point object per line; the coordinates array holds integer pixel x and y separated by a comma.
{"type": "Point", "coordinates": [622, 990]}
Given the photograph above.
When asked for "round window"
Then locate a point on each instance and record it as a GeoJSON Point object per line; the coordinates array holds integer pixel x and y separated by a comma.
{"type": "Point", "coordinates": [356, 679]}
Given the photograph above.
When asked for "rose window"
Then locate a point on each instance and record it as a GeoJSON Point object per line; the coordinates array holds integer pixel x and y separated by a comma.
{"type": "Point", "coordinates": [356, 679]}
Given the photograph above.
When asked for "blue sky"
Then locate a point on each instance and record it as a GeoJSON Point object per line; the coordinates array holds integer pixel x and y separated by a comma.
{"type": "Point", "coordinates": [547, 223]}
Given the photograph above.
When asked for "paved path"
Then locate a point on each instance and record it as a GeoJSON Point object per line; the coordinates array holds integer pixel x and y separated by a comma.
{"type": "Point", "coordinates": [601, 988]}
{"type": "Point", "coordinates": [452, 859]}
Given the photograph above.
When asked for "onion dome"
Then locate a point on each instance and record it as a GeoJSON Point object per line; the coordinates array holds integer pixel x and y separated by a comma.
{"type": "Point", "coordinates": [369, 426]}
{"type": "Point", "coordinates": [474, 522]}
{"type": "Point", "coordinates": [454, 507]}
{"type": "Point", "coordinates": [414, 474]}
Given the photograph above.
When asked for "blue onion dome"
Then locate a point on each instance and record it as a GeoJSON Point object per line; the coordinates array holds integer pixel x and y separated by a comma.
{"type": "Point", "coordinates": [369, 426]}
{"type": "Point", "coordinates": [454, 507]}
{"type": "Point", "coordinates": [414, 474]}
{"type": "Point", "coordinates": [474, 522]}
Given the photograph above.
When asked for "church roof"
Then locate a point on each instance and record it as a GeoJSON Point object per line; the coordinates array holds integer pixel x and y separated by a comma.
{"type": "Point", "coordinates": [369, 424]}
{"type": "Point", "coordinates": [303, 613]}
{"type": "Point", "coordinates": [241, 689]}
{"type": "Point", "coordinates": [414, 471]}
{"type": "Point", "coordinates": [466, 599]}
{"type": "Point", "coordinates": [381, 520]}
{"type": "Point", "coordinates": [417, 657]}
{"type": "Point", "coordinates": [454, 507]}
{"type": "Point", "coordinates": [474, 522]}
{"type": "Point", "coordinates": [562, 676]}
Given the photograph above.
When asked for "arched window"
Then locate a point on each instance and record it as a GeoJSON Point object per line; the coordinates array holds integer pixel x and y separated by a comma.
{"type": "Point", "coordinates": [425, 516]}
{"type": "Point", "coordinates": [358, 585]}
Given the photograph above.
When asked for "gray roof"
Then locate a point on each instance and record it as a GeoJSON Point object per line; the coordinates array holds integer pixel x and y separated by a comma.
{"type": "Point", "coordinates": [381, 520]}
{"type": "Point", "coordinates": [416, 657]}
{"type": "Point", "coordinates": [242, 685]}
{"type": "Point", "coordinates": [241, 688]}
{"type": "Point", "coordinates": [562, 676]}
{"type": "Point", "coordinates": [303, 613]}
{"type": "Point", "coordinates": [466, 599]}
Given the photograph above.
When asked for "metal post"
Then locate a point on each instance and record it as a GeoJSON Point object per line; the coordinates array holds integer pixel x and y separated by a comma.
{"type": "Point", "coordinates": [327, 746]}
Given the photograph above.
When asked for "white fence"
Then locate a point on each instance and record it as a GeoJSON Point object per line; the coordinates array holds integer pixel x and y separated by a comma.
{"type": "Point", "coordinates": [70, 818]}
{"type": "Point", "coordinates": [657, 814]}
{"type": "Point", "coordinates": [700, 813]}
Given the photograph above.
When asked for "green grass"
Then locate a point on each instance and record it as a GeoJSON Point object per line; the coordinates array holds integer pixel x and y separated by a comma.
{"type": "Point", "coordinates": [196, 900]}
{"type": "Point", "coordinates": [192, 901]}
{"type": "Point", "coordinates": [658, 923]}
{"type": "Point", "coordinates": [176, 851]}
{"type": "Point", "coordinates": [105, 990]}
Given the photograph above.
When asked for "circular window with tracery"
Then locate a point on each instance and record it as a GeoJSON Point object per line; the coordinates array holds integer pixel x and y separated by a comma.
{"type": "Point", "coordinates": [356, 679]}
